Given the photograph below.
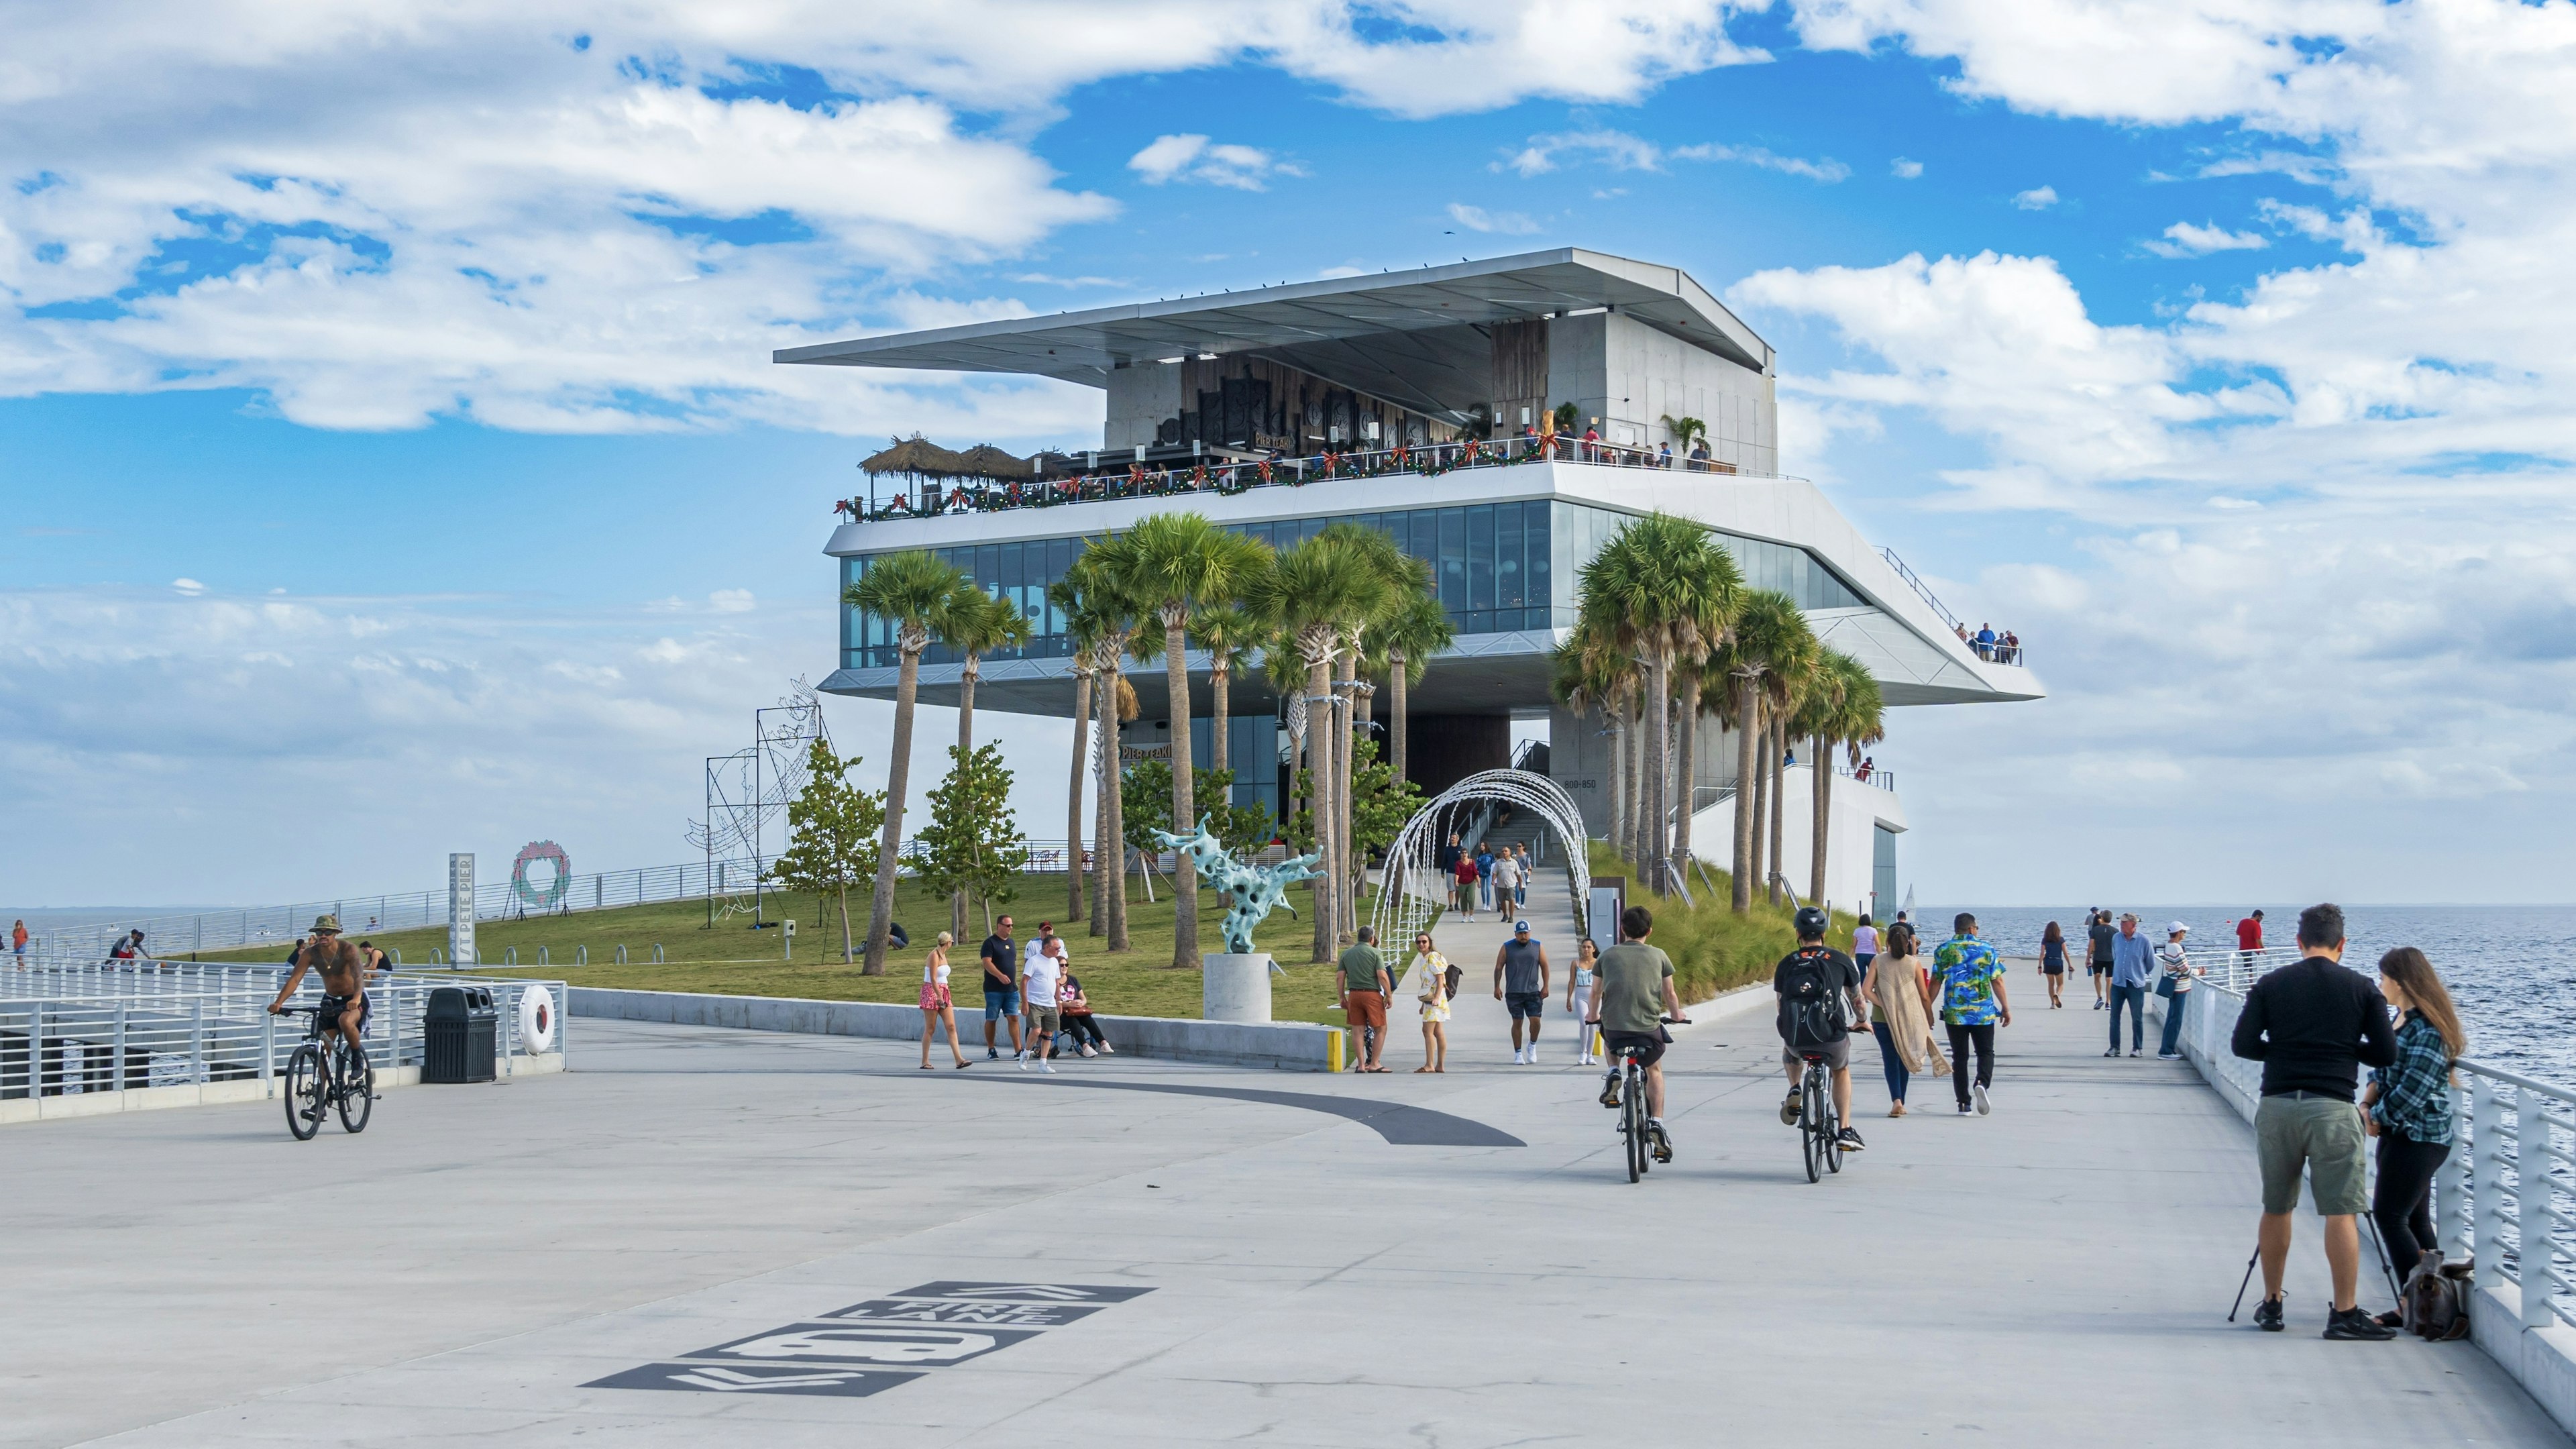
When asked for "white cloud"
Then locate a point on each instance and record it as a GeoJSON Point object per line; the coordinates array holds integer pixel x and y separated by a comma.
{"type": "Point", "coordinates": [1195, 158]}
{"type": "Point", "coordinates": [190, 587]}
{"type": "Point", "coordinates": [1476, 218]}
{"type": "Point", "coordinates": [1620, 151]}
{"type": "Point", "coordinates": [1904, 170]}
{"type": "Point", "coordinates": [2038, 198]}
{"type": "Point", "coordinates": [2182, 239]}
{"type": "Point", "coordinates": [731, 601]}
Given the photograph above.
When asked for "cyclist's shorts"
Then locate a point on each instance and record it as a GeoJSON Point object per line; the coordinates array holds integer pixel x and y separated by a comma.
{"type": "Point", "coordinates": [1531, 1004]}
{"type": "Point", "coordinates": [1648, 1045]}
{"type": "Point", "coordinates": [1837, 1054]}
{"type": "Point", "coordinates": [333, 1006]}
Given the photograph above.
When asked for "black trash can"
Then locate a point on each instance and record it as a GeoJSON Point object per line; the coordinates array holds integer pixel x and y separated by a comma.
{"type": "Point", "coordinates": [461, 1033]}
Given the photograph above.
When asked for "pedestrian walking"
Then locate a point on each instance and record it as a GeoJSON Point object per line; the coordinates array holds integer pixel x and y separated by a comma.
{"type": "Point", "coordinates": [1968, 977]}
{"type": "Point", "coordinates": [18, 942]}
{"type": "Point", "coordinates": [2099, 934]}
{"type": "Point", "coordinates": [1507, 876]}
{"type": "Point", "coordinates": [2410, 1112]}
{"type": "Point", "coordinates": [2174, 973]}
{"type": "Point", "coordinates": [2249, 942]}
{"type": "Point", "coordinates": [1043, 978]}
{"type": "Point", "coordinates": [1464, 872]}
{"type": "Point", "coordinates": [936, 1007]}
{"type": "Point", "coordinates": [2052, 963]}
{"type": "Point", "coordinates": [2133, 967]}
{"type": "Point", "coordinates": [2313, 1025]}
{"type": "Point", "coordinates": [1485, 876]}
{"type": "Point", "coordinates": [1001, 988]}
{"type": "Point", "coordinates": [1520, 983]}
{"type": "Point", "coordinates": [1449, 855]}
{"type": "Point", "coordinates": [1434, 1001]}
{"type": "Point", "coordinates": [1864, 944]}
{"type": "Point", "coordinates": [1045, 944]}
{"type": "Point", "coordinates": [1364, 992]}
{"type": "Point", "coordinates": [1521, 877]}
{"type": "Point", "coordinates": [1900, 1015]}
{"type": "Point", "coordinates": [1075, 1003]}
{"type": "Point", "coordinates": [1578, 998]}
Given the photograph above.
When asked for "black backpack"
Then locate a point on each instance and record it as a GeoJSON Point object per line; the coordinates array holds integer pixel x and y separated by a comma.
{"type": "Point", "coordinates": [1811, 999]}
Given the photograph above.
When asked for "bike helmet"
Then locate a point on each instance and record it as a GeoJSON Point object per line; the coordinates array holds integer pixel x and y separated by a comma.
{"type": "Point", "coordinates": [1811, 923]}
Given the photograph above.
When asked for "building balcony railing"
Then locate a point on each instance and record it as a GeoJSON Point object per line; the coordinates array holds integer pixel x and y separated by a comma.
{"type": "Point", "coordinates": [1101, 479]}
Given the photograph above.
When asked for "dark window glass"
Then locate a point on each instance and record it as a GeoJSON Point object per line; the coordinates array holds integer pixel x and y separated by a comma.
{"type": "Point", "coordinates": [1542, 545]}
{"type": "Point", "coordinates": [1507, 556]}
{"type": "Point", "coordinates": [1480, 557]}
{"type": "Point", "coordinates": [1453, 560]}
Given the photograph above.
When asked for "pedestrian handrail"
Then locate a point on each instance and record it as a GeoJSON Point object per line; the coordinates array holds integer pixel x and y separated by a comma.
{"type": "Point", "coordinates": [2506, 1187]}
{"type": "Point", "coordinates": [100, 1027]}
{"type": "Point", "coordinates": [1921, 589]}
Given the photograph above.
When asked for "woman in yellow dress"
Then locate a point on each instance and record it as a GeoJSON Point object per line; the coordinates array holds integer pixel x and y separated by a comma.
{"type": "Point", "coordinates": [1434, 969]}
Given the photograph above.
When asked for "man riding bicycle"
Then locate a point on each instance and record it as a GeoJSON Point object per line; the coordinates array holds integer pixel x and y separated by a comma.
{"type": "Point", "coordinates": [345, 1006]}
{"type": "Point", "coordinates": [1814, 983]}
{"type": "Point", "coordinates": [1634, 996]}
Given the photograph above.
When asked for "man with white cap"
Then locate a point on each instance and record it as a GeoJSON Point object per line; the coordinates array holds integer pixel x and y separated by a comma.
{"type": "Point", "coordinates": [2175, 987]}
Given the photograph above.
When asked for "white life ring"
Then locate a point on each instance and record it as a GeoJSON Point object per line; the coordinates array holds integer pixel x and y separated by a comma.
{"type": "Point", "coordinates": [537, 1020]}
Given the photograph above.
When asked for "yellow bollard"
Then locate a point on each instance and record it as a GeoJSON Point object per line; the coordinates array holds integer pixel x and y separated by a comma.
{"type": "Point", "coordinates": [1333, 1053]}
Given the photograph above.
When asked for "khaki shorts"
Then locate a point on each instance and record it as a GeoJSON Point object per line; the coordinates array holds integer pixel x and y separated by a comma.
{"type": "Point", "coordinates": [1044, 1020]}
{"type": "Point", "coordinates": [2322, 1134]}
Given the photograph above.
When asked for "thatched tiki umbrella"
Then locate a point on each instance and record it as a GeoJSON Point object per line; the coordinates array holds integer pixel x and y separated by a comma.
{"type": "Point", "coordinates": [986, 461]}
{"type": "Point", "coordinates": [915, 458]}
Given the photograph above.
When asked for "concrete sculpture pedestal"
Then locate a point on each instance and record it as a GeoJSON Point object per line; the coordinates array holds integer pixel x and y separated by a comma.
{"type": "Point", "coordinates": [1236, 987]}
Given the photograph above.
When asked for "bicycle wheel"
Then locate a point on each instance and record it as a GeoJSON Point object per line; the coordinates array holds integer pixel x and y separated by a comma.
{"type": "Point", "coordinates": [307, 1092]}
{"type": "Point", "coordinates": [1632, 1126]}
{"type": "Point", "coordinates": [1810, 1117]}
{"type": "Point", "coordinates": [1833, 1135]}
{"type": "Point", "coordinates": [357, 1088]}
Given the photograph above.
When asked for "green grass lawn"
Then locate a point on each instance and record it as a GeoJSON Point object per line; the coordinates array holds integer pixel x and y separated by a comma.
{"type": "Point", "coordinates": [733, 959]}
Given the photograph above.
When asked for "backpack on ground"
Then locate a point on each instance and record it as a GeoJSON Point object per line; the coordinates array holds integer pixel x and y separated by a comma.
{"type": "Point", "coordinates": [2435, 1301]}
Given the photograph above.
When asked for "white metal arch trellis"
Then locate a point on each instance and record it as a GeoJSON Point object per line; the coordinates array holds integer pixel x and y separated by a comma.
{"type": "Point", "coordinates": [1413, 887]}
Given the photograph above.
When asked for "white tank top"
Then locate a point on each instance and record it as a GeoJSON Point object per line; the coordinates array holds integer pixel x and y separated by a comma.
{"type": "Point", "coordinates": [935, 975]}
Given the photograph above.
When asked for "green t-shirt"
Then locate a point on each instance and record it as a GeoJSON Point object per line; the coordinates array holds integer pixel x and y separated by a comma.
{"type": "Point", "coordinates": [1632, 987]}
{"type": "Point", "coordinates": [1360, 966]}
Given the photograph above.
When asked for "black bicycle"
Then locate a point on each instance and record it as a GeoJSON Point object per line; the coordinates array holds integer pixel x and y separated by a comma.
{"type": "Point", "coordinates": [1820, 1132]}
{"type": "Point", "coordinates": [327, 1072]}
{"type": "Point", "coordinates": [1637, 1140]}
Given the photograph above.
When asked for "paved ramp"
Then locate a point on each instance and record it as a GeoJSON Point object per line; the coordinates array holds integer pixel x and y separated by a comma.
{"type": "Point", "coordinates": [701, 1237]}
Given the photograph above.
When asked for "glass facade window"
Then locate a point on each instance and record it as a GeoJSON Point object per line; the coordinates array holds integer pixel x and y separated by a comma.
{"type": "Point", "coordinates": [1498, 568]}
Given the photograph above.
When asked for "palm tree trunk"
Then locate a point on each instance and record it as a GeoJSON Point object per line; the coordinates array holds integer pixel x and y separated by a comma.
{"type": "Point", "coordinates": [1821, 771]}
{"type": "Point", "coordinates": [1612, 788]}
{"type": "Point", "coordinates": [1220, 756]}
{"type": "Point", "coordinates": [1762, 810]}
{"type": "Point", "coordinates": [1073, 796]}
{"type": "Point", "coordinates": [1748, 716]}
{"type": "Point", "coordinates": [1104, 865]}
{"type": "Point", "coordinates": [1659, 725]}
{"type": "Point", "coordinates": [1319, 774]}
{"type": "Point", "coordinates": [1113, 827]}
{"type": "Point", "coordinates": [1631, 708]}
{"type": "Point", "coordinates": [1779, 807]}
{"type": "Point", "coordinates": [1185, 871]}
{"type": "Point", "coordinates": [1345, 788]}
{"type": "Point", "coordinates": [1397, 687]}
{"type": "Point", "coordinates": [1686, 768]}
{"type": "Point", "coordinates": [907, 684]}
{"type": "Point", "coordinates": [965, 747]}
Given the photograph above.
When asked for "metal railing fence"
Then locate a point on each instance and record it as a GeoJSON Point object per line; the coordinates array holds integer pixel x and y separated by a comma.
{"type": "Point", "coordinates": [132, 1024]}
{"type": "Point", "coordinates": [2506, 1190]}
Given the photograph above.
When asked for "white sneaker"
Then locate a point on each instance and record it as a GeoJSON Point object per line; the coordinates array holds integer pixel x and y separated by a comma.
{"type": "Point", "coordinates": [1979, 1093]}
{"type": "Point", "coordinates": [1516, 1056]}
{"type": "Point", "coordinates": [1047, 1067]}
{"type": "Point", "coordinates": [1023, 1060]}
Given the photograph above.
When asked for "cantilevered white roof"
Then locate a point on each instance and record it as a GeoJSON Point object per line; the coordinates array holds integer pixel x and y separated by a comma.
{"type": "Point", "coordinates": [1302, 317]}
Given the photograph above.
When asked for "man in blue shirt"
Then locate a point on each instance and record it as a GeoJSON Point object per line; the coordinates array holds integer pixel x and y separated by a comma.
{"type": "Point", "coordinates": [2133, 969]}
{"type": "Point", "coordinates": [1985, 641]}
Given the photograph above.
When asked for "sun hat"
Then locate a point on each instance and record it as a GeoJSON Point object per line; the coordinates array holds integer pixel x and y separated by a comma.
{"type": "Point", "coordinates": [326, 923]}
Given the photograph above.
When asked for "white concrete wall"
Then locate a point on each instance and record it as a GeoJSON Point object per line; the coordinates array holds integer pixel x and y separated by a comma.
{"type": "Point", "coordinates": [1855, 813]}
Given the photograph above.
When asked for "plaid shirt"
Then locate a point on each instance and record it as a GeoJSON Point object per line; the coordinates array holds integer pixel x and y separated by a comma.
{"type": "Point", "coordinates": [2415, 1090]}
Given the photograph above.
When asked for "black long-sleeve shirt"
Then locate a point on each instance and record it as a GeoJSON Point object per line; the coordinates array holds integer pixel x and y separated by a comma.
{"type": "Point", "coordinates": [2313, 1025]}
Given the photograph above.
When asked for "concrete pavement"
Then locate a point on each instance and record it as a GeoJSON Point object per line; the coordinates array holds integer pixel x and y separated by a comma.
{"type": "Point", "coordinates": [483, 1256]}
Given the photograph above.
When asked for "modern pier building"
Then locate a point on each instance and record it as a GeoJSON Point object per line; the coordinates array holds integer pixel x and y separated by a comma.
{"type": "Point", "coordinates": [1403, 401]}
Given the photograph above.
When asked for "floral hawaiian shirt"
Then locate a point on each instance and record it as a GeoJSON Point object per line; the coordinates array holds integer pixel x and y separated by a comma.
{"type": "Point", "coordinates": [1964, 972]}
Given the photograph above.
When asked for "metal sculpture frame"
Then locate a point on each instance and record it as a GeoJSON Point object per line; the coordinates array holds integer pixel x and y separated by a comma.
{"type": "Point", "coordinates": [1413, 888]}
{"type": "Point", "coordinates": [1251, 892]}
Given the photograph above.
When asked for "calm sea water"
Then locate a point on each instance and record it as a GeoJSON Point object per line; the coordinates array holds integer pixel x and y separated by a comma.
{"type": "Point", "coordinates": [2512, 969]}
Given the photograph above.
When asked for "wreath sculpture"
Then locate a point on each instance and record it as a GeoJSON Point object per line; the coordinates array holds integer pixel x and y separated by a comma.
{"type": "Point", "coordinates": [551, 894]}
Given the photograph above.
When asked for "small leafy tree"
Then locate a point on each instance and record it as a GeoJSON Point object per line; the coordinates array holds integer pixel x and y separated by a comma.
{"type": "Point", "coordinates": [832, 828]}
{"type": "Point", "coordinates": [1380, 804]}
{"type": "Point", "coordinates": [972, 843]}
{"type": "Point", "coordinates": [1238, 827]}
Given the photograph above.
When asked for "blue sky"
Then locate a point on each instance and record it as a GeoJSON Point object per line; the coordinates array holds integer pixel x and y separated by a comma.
{"type": "Point", "coordinates": [395, 464]}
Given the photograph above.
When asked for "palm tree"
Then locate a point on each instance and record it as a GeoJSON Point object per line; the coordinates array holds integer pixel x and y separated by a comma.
{"type": "Point", "coordinates": [1793, 676]}
{"type": "Point", "coordinates": [910, 589]}
{"type": "Point", "coordinates": [1228, 633]}
{"type": "Point", "coordinates": [1661, 586]}
{"type": "Point", "coordinates": [1858, 717]}
{"type": "Point", "coordinates": [1173, 564]}
{"type": "Point", "coordinates": [1399, 575]}
{"type": "Point", "coordinates": [1103, 623]}
{"type": "Point", "coordinates": [1592, 675]}
{"type": "Point", "coordinates": [1765, 631]}
{"type": "Point", "coordinates": [1083, 628]}
{"type": "Point", "coordinates": [1310, 594]}
{"type": "Point", "coordinates": [1416, 629]}
{"type": "Point", "coordinates": [975, 623]}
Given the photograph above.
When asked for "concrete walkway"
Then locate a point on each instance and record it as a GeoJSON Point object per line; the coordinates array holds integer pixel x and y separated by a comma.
{"type": "Point", "coordinates": [481, 1261]}
{"type": "Point", "coordinates": [1480, 1026]}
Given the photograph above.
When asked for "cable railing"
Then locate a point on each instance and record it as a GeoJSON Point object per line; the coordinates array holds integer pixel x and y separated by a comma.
{"type": "Point", "coordinates": [126, 1025]}
{"type": "Point", "coordinates": [1103, 478]}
